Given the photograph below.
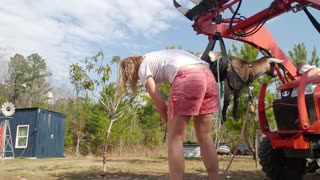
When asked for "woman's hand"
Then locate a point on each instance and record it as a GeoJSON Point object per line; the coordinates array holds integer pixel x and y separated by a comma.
{"type": "Point", "coordinates": [164, 119]}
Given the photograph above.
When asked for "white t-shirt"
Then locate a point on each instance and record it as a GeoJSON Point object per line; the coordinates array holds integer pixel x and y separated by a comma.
{"type": "Point", "coordinates": [163, 65]}
{"type": "Point", "coordinates": [306, 68]}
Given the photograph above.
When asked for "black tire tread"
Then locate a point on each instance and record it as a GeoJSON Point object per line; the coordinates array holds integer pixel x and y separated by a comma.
{"type": "Point", "coordinates": [265, 151]}
{"type": "Point", "coordinates": [276, 166]}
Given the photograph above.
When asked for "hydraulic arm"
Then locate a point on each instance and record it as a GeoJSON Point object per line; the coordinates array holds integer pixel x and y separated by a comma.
{"type": "Point", "coordinates": [207, 20]}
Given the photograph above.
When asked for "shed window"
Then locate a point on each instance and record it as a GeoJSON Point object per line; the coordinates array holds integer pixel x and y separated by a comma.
{"type": "Point", "coordinates": [22, 136]}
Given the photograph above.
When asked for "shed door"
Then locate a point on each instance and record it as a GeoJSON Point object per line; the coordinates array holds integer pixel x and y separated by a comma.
{"type": "Point", "coordinates": [47, 140]}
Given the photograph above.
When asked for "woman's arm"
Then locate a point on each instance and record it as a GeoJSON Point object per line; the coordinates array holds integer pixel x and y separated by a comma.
{"type": "Point", "coordinates": [157, 98]}
{"type": "Point", "coordinates": [313, 71]}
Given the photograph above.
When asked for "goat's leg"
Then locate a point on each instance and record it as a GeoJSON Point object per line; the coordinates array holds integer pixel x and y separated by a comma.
{"type": "Point", "coordinates": [226, 103]}
{"type": "Point", "coordinates": [226, 99]}
{"type": "Point", "coordinates": [235, 111]}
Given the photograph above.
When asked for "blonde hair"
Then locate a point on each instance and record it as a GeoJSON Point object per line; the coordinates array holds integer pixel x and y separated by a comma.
{"type": "Point", "coordinates": [128, 72]}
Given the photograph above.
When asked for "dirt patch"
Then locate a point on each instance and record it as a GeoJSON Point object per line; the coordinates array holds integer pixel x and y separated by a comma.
{"type": "Point", "coordinates": [242, 168]}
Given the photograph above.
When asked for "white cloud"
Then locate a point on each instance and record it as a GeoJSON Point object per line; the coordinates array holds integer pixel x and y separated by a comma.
{"type": "Point", "coordinates": [63, 32]}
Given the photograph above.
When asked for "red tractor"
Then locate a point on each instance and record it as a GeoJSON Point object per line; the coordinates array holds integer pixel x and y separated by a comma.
{"type": "Point", "coordinates": [283, 152]}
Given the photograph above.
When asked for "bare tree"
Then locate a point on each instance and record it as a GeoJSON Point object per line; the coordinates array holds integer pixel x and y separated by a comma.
{"type": "Point", "coordinates": [93, 76]}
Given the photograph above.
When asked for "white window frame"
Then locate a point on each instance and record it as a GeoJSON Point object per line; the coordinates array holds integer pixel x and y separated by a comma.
{"type": "Point", "coordinates": [17, 137]}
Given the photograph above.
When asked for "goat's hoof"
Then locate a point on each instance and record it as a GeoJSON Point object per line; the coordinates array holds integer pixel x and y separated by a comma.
{"type": "Point", "coordinates": [235, 117]}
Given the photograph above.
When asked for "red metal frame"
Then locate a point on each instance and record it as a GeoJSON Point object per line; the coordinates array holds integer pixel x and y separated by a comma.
{"type": "Point", "coordinates": [262, 39]}
{"type": "Point", "coordinates": [297, 141]}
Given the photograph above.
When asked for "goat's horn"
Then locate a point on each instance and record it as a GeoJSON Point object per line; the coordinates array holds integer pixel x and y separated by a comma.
{"type": "Point", "coordinates": [275, 60]}
{"type": "Point", "coordinates": [180, 8]}
{"type": "Point", "coordinates": [196, 2]}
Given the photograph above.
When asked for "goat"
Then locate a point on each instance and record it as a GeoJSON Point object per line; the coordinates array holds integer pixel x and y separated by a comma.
{"type": "Point", "coordinates": [241, 73]}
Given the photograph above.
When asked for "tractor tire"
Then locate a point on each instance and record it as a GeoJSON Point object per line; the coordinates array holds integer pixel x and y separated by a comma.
{"type": "Point", "coordinates": [276, 166]}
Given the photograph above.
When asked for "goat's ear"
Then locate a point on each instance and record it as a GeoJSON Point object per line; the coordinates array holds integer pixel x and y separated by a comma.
{"type": "Point", "coordinates": [275, 60]}
{"type": "Point", "coordinates": [214, 55]}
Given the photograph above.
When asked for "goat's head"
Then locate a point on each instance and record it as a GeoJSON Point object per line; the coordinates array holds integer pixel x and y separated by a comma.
{"type": "Point", "coordinates": [270, 65]}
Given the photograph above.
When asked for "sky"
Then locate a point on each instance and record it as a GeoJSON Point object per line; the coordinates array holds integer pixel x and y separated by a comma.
{"type": "Point", "coordinates": [65, 32]}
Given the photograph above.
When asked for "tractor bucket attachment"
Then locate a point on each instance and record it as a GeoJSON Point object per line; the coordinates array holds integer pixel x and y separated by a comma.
{"type": "Point", "coordinates": [181, 9]}
{"type": "Point", "coordinates": [201, 7]}
{"type": "Point", "coordinates": [196, 2]}
{"type": "Point", "coordinates": [195, 12]}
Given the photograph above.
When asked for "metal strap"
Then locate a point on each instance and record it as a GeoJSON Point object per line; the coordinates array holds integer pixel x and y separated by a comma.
{"type": "Point", "coordinates": [314, 22]}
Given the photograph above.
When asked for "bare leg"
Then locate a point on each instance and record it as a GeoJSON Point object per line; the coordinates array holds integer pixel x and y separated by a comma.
{"type": "Point", "coordinates": [176, 133]}
{"type": "Point", "coordinates": [202, 125]}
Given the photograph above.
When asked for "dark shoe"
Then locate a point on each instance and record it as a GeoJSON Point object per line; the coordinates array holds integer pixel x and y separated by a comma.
{"type": "Point", "coordinates": [312, 166]}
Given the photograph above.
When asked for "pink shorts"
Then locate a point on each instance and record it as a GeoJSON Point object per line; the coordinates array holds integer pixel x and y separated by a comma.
{"type": "Point", "coordinates": [193, 92]}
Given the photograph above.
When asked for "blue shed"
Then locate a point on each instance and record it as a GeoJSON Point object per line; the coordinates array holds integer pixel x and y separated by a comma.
{"type": "Point", "coordinates": [37, 133]}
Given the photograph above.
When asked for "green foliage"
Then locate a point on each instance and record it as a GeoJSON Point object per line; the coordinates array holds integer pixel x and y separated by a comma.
{"type": "Point", "coordinates": [298, 53]}
{"type": "Point", "coordinates": [27, 81]}
{"type": "Point", "coordinates": [91, 75]}
{"type": "Point", "coordinates": [3, 93]}
{"type": "Point", "coordinates": [115, 60]}
{"type": "Point", "coordinates": [78, 110]}
{"type": "Point", "coordinates": [128, 131]}
{"type": "Point", "coordinates": [165, 90]}
{"type": "Point", "coordinates": [174, 47]}
{"type": "Point", "coordinates": [314, 58]}
{"type": "Point", "coordinates": [37, 83]}
{"type": "Point", "coordinates": [17, 76]}
{"type": "Point", "coordinates": [128, 128]}
{"type": "Point", "coordinates": [95, 129]}
{"type": "Point", "coordinates": [246, 52]}
{"type": "Point", "coordinates": [150, 125]}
